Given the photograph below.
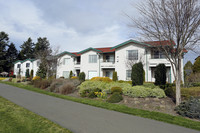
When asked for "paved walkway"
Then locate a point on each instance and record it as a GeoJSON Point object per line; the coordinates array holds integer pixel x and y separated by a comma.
{"type": "Point", "coordinates": [80, 118]}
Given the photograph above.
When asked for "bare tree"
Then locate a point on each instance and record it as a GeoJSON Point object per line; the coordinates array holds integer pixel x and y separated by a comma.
{"type": "Point", "coordinates": [130, 63]}
{"type": "Point", "coordinates": [174, 20]}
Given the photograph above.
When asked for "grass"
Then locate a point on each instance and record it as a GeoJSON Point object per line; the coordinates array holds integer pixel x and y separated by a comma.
{"type": "Point", "coordinates": [177, 120]}
{"type": "Point", "coordinates": [15, 119]}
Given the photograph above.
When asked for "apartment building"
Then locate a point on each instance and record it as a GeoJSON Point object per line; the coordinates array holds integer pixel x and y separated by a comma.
{"type": "Point", "coordinates": [103, 61]}
{"type": "Point", "coordinates": [21, 66]}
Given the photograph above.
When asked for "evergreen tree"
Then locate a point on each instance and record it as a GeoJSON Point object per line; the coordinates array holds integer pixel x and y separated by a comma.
{"type": "Point", "coordinates": [27, 50]}
{"type": "Point", "coordinates": [42, 47]}
{"type": "Point", "coordinates": [3, 44]}
{"type": "Point", "coordinates": [187, 69]}
{"type": "Point", "coordinates": [160, 74]}
{"type": "Point", "coordinates": [137, 74]}
{"type": "Point", "coordinates": [42, 71]}
{"type": "Point", "coordinates": [114, 76]}
{"type": "Point", "coordinates": [82, 76]}
{"type": "Point", "coordinates": [196, 66]}
{"type": "Point", "coordinates": [11, 56]}
{"type": "Point", "coordinates": [70, 74]}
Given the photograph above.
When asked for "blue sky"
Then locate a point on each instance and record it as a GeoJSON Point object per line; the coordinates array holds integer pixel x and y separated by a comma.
{"type": "Point", "coordinates": [73, 25]}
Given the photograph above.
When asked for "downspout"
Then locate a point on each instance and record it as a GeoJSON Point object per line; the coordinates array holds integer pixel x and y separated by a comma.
{"type": "Point", "coordinates": [99, 63]}
{"type": "Point", "coordinates": [146, 67]}
{"type": "Point", "coordinates": [170, 75]}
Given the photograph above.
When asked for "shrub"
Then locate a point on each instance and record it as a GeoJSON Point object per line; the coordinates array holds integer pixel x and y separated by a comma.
{"type": "Point", "coordinates": [66, 88]}
{"type": "Point", "coordinates": [114, 78]}
{"type": "Point", "coordinates": [186, 93]}
{"type": "Point", "coordinates": [105, 79]}
{"type": "Point", "coordinates": [36, 78]}
{"type": "Point", "coordinates": [82, 76]}
{"type": "Point", "coordinates": [104, 86]}
{"type": "Point", "coordinates": [160, 74]}
{"type": "Point", "coordinates": [137, 74]}
{"type": "Point", "coordinates": [190, 108]}
{"type": "Point", "coordinates": [70, 74]}
{"type": "Point", "coordinates": [10, 79]}
{"type": "Point", "coordinates": [31, 75]}
{"type": "Point", "coordinates": [149, 85]}
{"type": "Point", "coordinates": [102, 95]}
{"type": "Point", "coordinates": [141, 91]}
{"type": "Point", "coordinates": [42, 84]}
{"type": "Point", "coordinates": [74, 77]}
{"type": "Point", "coordinates": [116, 89]}
{"type": "Point", "coordinates": [115, 98]}
{"type": "Point", "coordinates": [27, 73]}
{"type": "Point", "coordinates": [196, 66]}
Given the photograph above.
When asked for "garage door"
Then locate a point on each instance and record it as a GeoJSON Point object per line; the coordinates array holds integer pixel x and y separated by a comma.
{"type": "Point", "coordinates": [92, 74]}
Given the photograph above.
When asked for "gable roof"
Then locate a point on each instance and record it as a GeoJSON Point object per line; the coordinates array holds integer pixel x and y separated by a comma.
{"type": "Point", "coordinates": [31, 60]}
{"type": "Point", "coordinates": [66, 52]}
{"type": "Point", "coordinates": [85, 50]}
{"type": "Point", "coordinates": [159, 43]}
{"type": "Point", "coordinates": [106, 49]}
{"type": "Point", "coordinates": [130, 41]}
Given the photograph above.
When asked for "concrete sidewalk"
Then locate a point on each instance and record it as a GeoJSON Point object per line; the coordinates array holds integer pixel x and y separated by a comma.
{"type": "Point", "coordinates": [80, 118]}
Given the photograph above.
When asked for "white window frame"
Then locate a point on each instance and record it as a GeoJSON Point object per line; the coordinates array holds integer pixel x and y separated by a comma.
{"type": "Point", "coordinates": [64, 61]}
{"type": "Point", "coordinates": [92, 58]}
{"type": "Point", "coordinates": [127, 74]}
{"type": "Point", "coordinates": [27, 65]}
{"type": "Point", "coordinates": [133, 57]}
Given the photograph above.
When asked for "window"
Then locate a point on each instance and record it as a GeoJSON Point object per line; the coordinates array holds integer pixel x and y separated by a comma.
{"type": "Point", "coordinates": [157, 54]}
{"type": "Point", "coordinates": [128, 74]}
{"type": "Point", "coordinates": [27, 64]}
{"type": "Point", "coordinates": [92, 58]}
{"type": "Point", "coordinates": [66, 61]}
{"type": "Point", "coordinates": [66, 74]}
{"type": "Point", "coordinates": [132, 54]}
{"type": "Point", "coordinates": [18, 65]}
{"type": "Point", "coordinates": [38, 63]}
{"type": "Point", "coordinates": [109, 58]}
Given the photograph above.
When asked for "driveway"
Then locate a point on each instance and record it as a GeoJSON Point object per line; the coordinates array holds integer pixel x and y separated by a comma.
{"type": "Point", "coordinates": [80, 118]}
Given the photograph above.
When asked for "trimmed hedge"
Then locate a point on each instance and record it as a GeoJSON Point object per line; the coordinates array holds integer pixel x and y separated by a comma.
{"type": "Point", "coordinates": [160, 74]}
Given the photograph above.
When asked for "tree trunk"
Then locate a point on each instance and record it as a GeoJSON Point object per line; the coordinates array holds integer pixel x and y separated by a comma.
{"type": "Point", "coordinates": [178, 83]}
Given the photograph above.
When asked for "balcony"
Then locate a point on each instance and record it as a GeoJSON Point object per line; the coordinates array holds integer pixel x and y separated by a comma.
{"type": "Point", "coordinates": [77, 65]}
{"type": "Point", "coordinates": [107, 64]}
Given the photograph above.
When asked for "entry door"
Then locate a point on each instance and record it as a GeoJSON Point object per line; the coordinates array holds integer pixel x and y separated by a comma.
{"type": "Point", "coordinates": [92, 74]}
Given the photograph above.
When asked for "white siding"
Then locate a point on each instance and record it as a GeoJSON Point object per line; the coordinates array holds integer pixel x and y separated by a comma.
{"type": "Point", "coordinates": [69, 66]}
{"type": "Point", "coordinates": [86, 66]}
{"type": "Point", "coordinates": [121, 60]}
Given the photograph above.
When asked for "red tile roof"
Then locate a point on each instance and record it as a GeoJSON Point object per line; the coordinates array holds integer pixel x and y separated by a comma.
{"type": "Point", "coordinates": [157, 43]}
{"type": "Point", "coordinates": [106, 49]}
{"type": "Point", "coordinates": [76, 53]}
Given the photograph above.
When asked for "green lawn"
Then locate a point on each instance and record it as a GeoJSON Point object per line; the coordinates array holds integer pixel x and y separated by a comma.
{"type": "Point", "coordinates": [15, 119]}
{"type": "Point", "coordinates": [177, 120]}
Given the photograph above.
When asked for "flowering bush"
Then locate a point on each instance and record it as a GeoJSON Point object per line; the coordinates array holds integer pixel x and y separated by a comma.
{"type": "Point", "coordinates": [102, 95]}
{"type": "Point", "coordinates": [36, 78]}
{"type": "Point", "coordinates": [74, 77]}
{"type": "Point", "coordinates": [105, 79]}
